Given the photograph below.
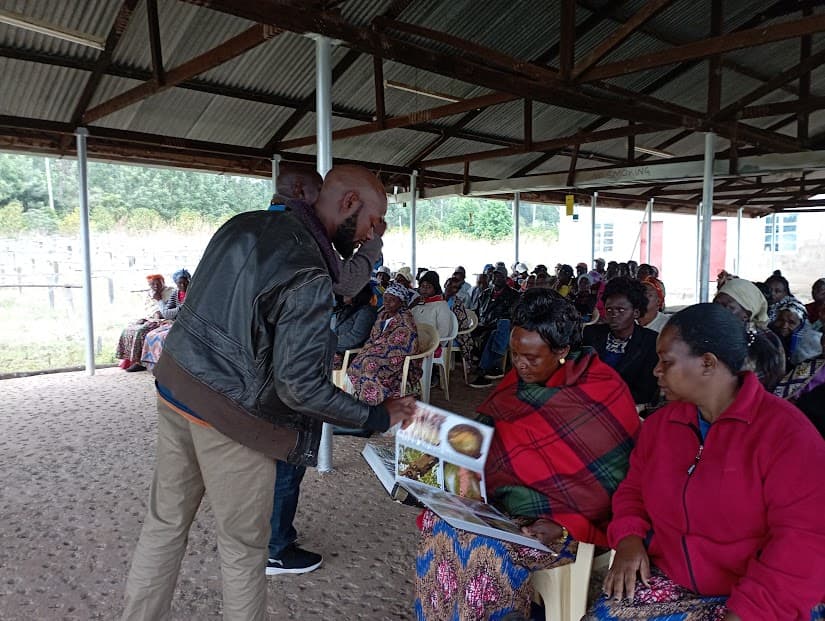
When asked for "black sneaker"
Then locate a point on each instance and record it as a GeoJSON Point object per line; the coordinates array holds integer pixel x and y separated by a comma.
{"type": "Point", "coordinates": [480, 382]}
{"type": "Point", "coordinates": [493, 374]}
{"type": "Point", "coordinates": [294, 560]}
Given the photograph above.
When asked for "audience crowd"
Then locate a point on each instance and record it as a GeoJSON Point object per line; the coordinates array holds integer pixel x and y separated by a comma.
{"type": "Point", "coordinates": [602, 346]}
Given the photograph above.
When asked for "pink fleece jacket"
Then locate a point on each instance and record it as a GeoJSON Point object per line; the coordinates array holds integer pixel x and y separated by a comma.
{"type": "Point", "coordinates": [740, 516]}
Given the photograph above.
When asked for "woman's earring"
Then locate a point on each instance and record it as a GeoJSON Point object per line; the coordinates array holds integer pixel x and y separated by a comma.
{"type": "Point", "coordinates": [561, 360]}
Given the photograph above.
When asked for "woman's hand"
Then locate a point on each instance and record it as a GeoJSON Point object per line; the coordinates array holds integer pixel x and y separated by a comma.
{"type": "Point", "coordinates": [631, 558]}
{"type": "Point", "coordinates": [546, 531]}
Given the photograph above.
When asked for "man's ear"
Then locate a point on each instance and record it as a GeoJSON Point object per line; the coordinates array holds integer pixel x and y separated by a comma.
{"type": "Point", "coordinates": [350, 202]}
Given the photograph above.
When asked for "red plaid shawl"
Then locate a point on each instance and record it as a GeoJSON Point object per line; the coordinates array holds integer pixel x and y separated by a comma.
{"type": "Point", "coordinates": [560, 450]}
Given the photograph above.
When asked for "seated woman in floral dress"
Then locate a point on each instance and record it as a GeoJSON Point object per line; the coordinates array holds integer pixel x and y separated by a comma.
{"type": "Point", "coordinates": [376, 371]}
{"type": "Point", "coordinates": [720, 515]}
{"type": "Point", "coordinates": [130, 344]}
{"type": "Point", "coordinates": [464, 342]}
{"type": "Point", "coordinates": [153, 344]}
{"type": "Point", "coordinates": [565, 424]}
{"type": "Point", "coordinates": [354, 318]}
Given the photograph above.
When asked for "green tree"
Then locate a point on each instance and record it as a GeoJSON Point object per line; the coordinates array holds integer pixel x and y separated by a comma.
{"type": "Point", "coordinates": [11, 219]}
{"type": "Point", "coordinates": [41, 220]}
{"type": "Point", "coordinates": [495, 220]}
{"type": "Point", "coordinates": [23, 179]}
{"type": "Point", "coordinates": [144, 219]}
{"type": "Point", "coordinates": [70, 223]}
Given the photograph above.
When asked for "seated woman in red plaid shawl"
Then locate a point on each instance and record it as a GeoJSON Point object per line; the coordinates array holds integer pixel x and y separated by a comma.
{"type": "Point", "coordinates": [565, 425]}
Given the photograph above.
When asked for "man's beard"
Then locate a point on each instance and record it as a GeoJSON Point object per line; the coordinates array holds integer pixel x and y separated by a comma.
{"type": "Point", "coordinates": [344, 238]}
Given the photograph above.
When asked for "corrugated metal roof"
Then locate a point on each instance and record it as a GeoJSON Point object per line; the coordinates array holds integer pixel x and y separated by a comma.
{"type": "Point", "coordinates": [485, 23]}
{"type": "Point", "coordinates": [361, 12]}
{"type": "Point", "coordinates": [40, 91]}
{"type": "Point", "coordinates": [185, 32]}
{"type": "Point", "coordinates": [458, 146]}
{"type": "Point", "coordinates": [233, 121]}
{"type": "Point", "coordinates": [356, 89]}
{"type": "Point", "coordinates": [394, 147]}
{"type": "Point", "coordinates": [284, 67]}
{"type": "Point", "coordinates": [91, 17]}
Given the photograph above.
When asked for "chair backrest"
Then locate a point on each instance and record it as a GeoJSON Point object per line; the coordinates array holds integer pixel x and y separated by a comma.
{"type": "Point", "coordinates": [453, 330]}
{"type": "Point", "coordinates": [472, 319]}
{"type": "Point", "coordinates": [427, 339]}
{"type": "Point", "coordinates": [594, 318]}
{"type": "Point", "coordinates": [427, 344]}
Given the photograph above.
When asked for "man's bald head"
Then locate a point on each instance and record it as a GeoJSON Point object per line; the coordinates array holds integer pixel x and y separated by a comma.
{"type": "Point", "coordinates": [353, 178]}
{"type": "Point", "coordinates": [352, 205]}
{"type": "Point", "coordinates": [299, 182]}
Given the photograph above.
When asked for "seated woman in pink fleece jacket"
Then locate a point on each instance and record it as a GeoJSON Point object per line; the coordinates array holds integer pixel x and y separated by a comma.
{"type": "Point", "coordinates": [720, 516]}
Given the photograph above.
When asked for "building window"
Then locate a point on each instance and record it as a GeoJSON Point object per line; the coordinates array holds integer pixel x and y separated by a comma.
{"type": "Point", "coordinates": [780, 231]}
{"type": "Point", "coordinates": [604, 238]}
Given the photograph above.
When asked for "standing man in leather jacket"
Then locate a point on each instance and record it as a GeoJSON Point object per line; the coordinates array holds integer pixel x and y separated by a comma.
{"type": "Point", "coordinates": [297, 183]}
{"type": "Point", "coordinates": [244, 379]}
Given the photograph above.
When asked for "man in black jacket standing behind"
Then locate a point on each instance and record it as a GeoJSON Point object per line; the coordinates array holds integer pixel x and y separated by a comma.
{"type": "Point", "coordinates": [244, 379]}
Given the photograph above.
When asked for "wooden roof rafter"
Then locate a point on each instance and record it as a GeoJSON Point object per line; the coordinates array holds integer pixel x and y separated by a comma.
{"type": "Point", "coordinates": [237, 45]}
{"type": "Point", "coordinates": [104, 60]}
{"type": "Point", "coordinates": [710, 46]}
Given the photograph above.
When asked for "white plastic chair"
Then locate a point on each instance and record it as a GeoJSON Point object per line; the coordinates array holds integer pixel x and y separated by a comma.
{"type": "Point", "coordinates": [339, 376]}
{"type": "Point", "coordinates": [443, 360]}
{"type": "Point", "coordinates": [472, 318]}
{"type": "Point", "coordinates": [427, 344]}
{"type": "Point", "coordinates": [594, 318]}
{"type": "Point", "coordinates": [563, 590]}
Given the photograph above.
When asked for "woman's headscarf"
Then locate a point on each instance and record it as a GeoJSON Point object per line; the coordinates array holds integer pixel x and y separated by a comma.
{"type": "Point", "coordinates": [749, 297]}
{"type": "Point", "coordinates": [793, 305]}
{"type": "Point", "coordinates": [405, 272]}
{"type": "Point", "coordinates": [401, 292]}
{"type": "Point", "coordinates": [181, 273]}
{"type": "Point", "coordinates": [432, 278]}
{"type": "Point", "coordinates": [657, 286]}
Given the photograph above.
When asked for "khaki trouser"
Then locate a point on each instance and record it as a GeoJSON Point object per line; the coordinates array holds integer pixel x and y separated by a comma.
{"type": "Point", "coordinates": [240, 482]}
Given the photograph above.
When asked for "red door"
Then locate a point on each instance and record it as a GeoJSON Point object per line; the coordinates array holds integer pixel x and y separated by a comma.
{"type": "Point", "coordinates": [718, 247]}
{"type": "Point", "coordinates": [655, 249]}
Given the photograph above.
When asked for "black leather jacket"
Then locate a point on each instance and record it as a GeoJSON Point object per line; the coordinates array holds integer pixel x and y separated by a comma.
{"type": "Point", "coordinates": [251, 350]}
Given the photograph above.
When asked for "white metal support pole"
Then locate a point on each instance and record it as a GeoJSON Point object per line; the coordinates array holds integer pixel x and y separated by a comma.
{"type": "Point", "coordinates": [649, 229]}
{"type": "Point", "coordinates": [83, 184]}
{"type": "Point", "coordinates": [323, 116]}
{"type": "Point", "coordinates": [276, 170]}
{"type": "Point", "coordinates": [49, 184]}
{"type": "Point", "coordinates": [593, 202]}
{"type": "Point", "coordinates": [516, 216]}
{"type": "Point", "coordinates": [323, 103]}
{"type": "Point", "coordinates": [698, 248]}
{"type": "Point", "coordinates": [707, 217]}
{"type": "Point", "coordinates": [413, 200]}
{"type": "Point", "coordinates": [736, 268]}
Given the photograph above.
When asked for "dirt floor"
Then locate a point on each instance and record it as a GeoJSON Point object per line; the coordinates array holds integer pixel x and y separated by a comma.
{"type": "Point", "coordinates": [76, 459]}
